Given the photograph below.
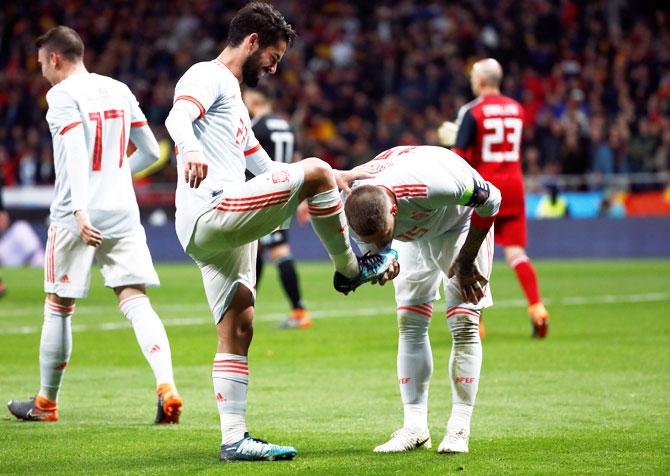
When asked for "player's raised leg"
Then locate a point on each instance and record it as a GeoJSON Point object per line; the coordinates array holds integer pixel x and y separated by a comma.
{"type": "Point", "coordinates": [519, 261]}
{"type": "Point", "coordinates": [326, 210]}
{"type": "Point", "coordinates": [153, 341]}
{"type": "Point", "coordinates": [327, 214]}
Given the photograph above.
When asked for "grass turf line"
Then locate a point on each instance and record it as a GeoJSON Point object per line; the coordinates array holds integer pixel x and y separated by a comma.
{"type": "Point", "coordinates": [593, 398]}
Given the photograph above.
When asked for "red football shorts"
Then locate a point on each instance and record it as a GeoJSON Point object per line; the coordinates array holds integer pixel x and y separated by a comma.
{"type": "Point", "coordinates": [510, 230]}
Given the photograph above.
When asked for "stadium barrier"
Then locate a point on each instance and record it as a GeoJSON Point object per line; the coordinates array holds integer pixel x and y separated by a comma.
{"type": "Point", "coordinates": [561, 238]}
{"type": "Point", "coordinates": [634, 225]}
{"type": "Point", "coordinates": [597, 238]}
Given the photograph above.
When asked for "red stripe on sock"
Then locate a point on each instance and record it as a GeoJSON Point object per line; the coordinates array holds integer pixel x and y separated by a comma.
{"type": "Point", "coordinates": [232, 362]}
{"type": "Point", "coordinates": [427, 307]}
{"type": "Point", "coordinates": [58, 308]}
{"type": "Point", "coordinates": [324, 211]}
{"type": "Point", "coordinates": [461, 310]}
{"type": "Point", "coordinates": [230, 371]}
{"type": "Point", "coordinates": [132, 298]}
{"type": "Point", "coordinates": [415, 310]}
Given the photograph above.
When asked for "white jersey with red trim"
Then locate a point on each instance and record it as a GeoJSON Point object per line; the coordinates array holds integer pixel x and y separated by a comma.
{"type": "Point", "coordinates": [436, 190]}
{"type": "Point", "coordinates": [224, 132]}
{"type": "Point", "coordinates": [90, 117]}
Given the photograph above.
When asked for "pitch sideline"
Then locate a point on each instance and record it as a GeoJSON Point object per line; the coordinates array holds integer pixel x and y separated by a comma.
{"type": "Point", "coordinates": [275, 317]}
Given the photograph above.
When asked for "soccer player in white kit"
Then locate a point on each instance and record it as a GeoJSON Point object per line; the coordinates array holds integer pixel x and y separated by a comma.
{"type": "Point", "coordinates": [422, 199]}
{"type": "Point", "coordinates": [94, 216]}
{"type": "Point", "coordinates": [220, 216]}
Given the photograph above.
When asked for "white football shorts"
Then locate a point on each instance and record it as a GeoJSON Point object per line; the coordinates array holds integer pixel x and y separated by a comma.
{"type": "Point", "coordinates": [224, 241]}
{"type": "Point", "coordinates": [424, 265]}
{"type": "Point", "coordinates": [123, 262]}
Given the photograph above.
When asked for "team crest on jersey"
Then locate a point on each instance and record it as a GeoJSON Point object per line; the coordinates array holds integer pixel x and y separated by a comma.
{"type": "Point", "coordinates": [280, 176]}
{"type": "Point", "coordinates": [418, 216]}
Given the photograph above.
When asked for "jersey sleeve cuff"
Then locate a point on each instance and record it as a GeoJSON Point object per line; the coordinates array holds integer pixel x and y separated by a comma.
{"type": "Point", "coordinates": [192, 100]}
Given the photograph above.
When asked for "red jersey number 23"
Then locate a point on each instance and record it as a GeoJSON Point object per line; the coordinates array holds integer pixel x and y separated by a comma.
{"type": "Point", "coordinates": [501, 140]}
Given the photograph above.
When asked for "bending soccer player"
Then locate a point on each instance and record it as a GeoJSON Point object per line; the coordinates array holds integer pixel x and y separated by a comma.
{"type": "Point", "coordinates": [277, 137]}
{"type": "Point", "coordinates": [489, 132]}
{"type": "Point", "coordinates": [94, 216]}
{"type": "Point", "coordinates": [220, 216]}
{"type": "Point", "coordinates": [421, 200]}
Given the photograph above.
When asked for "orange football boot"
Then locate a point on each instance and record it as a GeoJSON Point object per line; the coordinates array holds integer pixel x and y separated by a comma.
{"type": "Point", "coordinates": [299, 319]}
{"type": "Point", "coordinates": [169, 405]}
{"type": "Point", "coordinates": [37, 408]}
{"type": "Point", "coordinates": [539, 319]}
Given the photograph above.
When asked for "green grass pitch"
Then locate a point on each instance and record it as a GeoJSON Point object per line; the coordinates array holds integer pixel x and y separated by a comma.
{"type": "Point", "coordinates": [593, 398]}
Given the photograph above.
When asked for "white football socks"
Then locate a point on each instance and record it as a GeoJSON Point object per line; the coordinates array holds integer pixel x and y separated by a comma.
{"type": "Point", "coordinates": [465, 365]}
{"type": "Point", "coordinates": [230, 375]}
{"type": "Point", "coordinates": [330, 224]}
{"type": "Point", "coordinates": [55, 347]}
{"type": "Point", "coordinates": [415, 363]}
{"type": "Point", "coordinates": [151, 336]}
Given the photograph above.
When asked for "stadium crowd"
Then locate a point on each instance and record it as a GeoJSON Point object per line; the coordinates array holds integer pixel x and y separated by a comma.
{"type": "Point", "coordinates": [594, 77]}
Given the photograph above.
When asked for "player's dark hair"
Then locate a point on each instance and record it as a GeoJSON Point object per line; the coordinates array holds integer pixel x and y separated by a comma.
{"type": "Point", "coordinates": [366, 210]}
{"type": "Point", "coordinates": [263, 19]}
{"type": "Point", "coordinates": [63, 40]}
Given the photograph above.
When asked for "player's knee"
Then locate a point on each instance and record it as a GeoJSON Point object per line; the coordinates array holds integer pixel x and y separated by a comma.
{"type": "Point", "coordinates": [464, 329]}
{"type": "Point", "coordinates": [244, 330]}
{"type": "Point", "coordinates": [515, 255]}
{"type": "Point", "coordinates": [61, 301]}
{"type": "Point", "coordinates": [318, 174]}
{"type": "Point", "coordinates": [240, 314]}
{"type": "Point", "coordinates": [411, 325]}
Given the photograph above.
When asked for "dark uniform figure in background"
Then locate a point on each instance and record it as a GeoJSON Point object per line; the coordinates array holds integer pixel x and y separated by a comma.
{"type": "Point", "coordinates": [277, 137]}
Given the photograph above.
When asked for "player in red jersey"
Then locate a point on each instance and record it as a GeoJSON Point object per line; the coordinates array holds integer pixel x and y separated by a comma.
{"type": "Point", "coordinates": [489, 131]}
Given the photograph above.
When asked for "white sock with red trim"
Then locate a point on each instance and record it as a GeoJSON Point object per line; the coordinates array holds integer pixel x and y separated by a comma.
{"type": "Point", "coordinates": [151, 336]}
{"type": "Point", "coordinates": [230, 376]}
{"type": "Point", "coordinates": [330, 224]}
{"type": "Point", "coordinates": [465, 365]}
{"type": "Point", "coordinates": [55, 347]}
{"type": "Point", "coordinates": [415, 363]}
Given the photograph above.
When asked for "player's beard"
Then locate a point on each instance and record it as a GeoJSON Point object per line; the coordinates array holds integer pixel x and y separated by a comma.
{"type": "Point", "coordinates": [252, 69]}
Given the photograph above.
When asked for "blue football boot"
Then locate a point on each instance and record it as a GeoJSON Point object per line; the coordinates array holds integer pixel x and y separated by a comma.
{"type": "Point", "coordinates": [372, 267]}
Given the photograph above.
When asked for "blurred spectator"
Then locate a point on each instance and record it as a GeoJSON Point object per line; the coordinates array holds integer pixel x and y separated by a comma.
{"type": "Point", "coordinates": [552, 204]}
{"type": "Point", "coordinates": [612, 206]}
{"type": "Point", "coordinates": [365, 76]}
{"type": "Point", "coordinates": [19, 244]}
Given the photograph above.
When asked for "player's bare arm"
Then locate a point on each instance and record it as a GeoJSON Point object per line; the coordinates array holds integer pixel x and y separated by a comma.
{"type": "Point", "coordinates": [179, 124]}
{"type": "Point", "coordinates": [345, 178]}
{"type": "Point", "coordinates": [485, 199]}
{"type": "Point", "coordinates": [390, 274]}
